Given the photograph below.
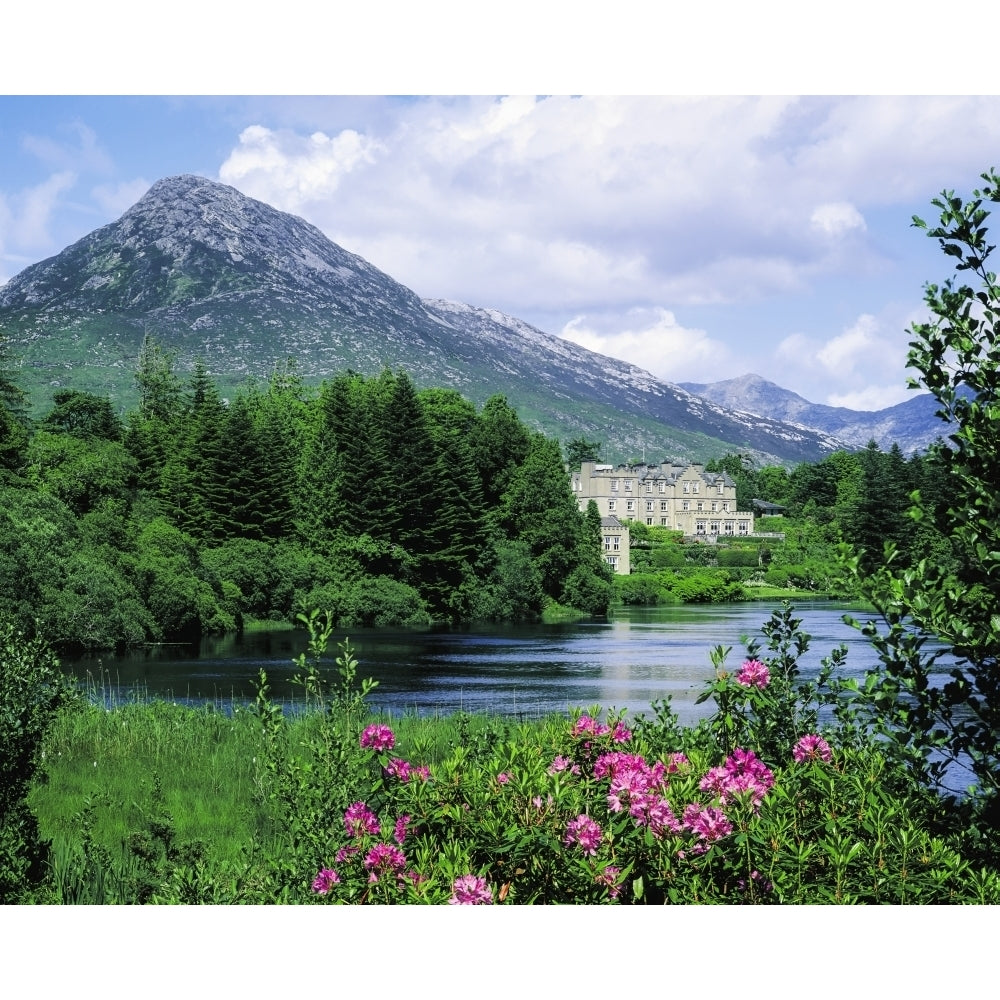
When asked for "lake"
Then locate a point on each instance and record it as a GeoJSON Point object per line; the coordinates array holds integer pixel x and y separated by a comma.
{"type": "Point", "coordinates": [636, 656]}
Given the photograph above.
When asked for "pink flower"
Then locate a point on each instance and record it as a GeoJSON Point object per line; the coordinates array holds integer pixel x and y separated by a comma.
{"type": "Point", "coordinates": [560, 763]}
{"type": "Point", "coordinates": [346, 853]}
{"type": "Point", "coordinates": [585, 832]}
{"type": "Point", "coordinates": [378, 738]}
{"type": "Point", "coordinates": [753, 673]}
{"type": "Point", "coordinates": [397, 768]}
{"type": "Point", "coordinates": [502, 778]}
{"type": "Point", "coordinates": [676, 761]}
{"type": "Point", "coordinates": [325, 881]}
{"type": "Point", "coordinates": [585, 725]}
{"type": "Point", "coordinates": [423, 772]}
{"type": "Point", "coordinates": [621, 734]}
{"type": "Point", "coordinates": [708, 824]}
{"type": "Point", "coordinates": [470, 890]}
{"type": "Point", "coordinates": [359, 820]}
{"type": "Point", "coordinates": [811, 747]}
{"type": "Point", "coordinates": [384, 859]}
{"type": "Point", "coordinates": [402, 829]}
{"type": "Point", "coordinates": [609, 877]}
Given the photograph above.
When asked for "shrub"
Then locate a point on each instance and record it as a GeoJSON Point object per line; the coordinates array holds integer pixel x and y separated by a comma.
{"type": "Point", "coordinates": [32, 689]}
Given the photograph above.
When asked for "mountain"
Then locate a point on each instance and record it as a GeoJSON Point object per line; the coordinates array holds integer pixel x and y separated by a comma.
{"type": "Point", "coordinates": [213, 274]}
{"type": "Point", "coordinates": [912, 424]}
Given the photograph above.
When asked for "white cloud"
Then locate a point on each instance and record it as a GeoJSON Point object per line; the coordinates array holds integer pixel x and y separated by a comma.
{"type": "Point", "coordinates": [290, 170]}
{"type": "Point", "coordinates": [872, 397]}
{"type": "Point", "coordinates": [837, 217]}
{"type": "Point", "coordinates": [651, 339]}
{"type": "Point", "coordinates": [114, 199]}
{"type": "Point", "coordinates": [850, 368]}
{"type": "Point", "coordinates": [32, 211]}
{"type": "Point", "coordinates": [81, 153]}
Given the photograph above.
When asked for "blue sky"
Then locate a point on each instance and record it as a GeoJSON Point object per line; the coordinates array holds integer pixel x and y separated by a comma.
{"type": "Point", "coordinates": [697, 237]}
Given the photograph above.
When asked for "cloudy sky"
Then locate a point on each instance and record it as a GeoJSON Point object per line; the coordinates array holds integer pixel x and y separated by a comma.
{"type": "Point", "coordinates": [697, 237]}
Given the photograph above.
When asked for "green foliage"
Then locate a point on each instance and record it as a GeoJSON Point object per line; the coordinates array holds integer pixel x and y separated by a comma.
{"type": "Point", "coordinates": [581, 450]}
{"type": "Point", "coordinates": [780, 796]}
{"type": "Point", "coordinates": [32, 689]}
{"type": "Point", "coordinates": [958, 359]}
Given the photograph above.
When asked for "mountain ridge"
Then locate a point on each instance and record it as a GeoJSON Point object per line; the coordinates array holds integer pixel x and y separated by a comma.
{"type": "Point", "coordinates": [211, 273]}
{"type": "Point", "coordinates": [912, 424]}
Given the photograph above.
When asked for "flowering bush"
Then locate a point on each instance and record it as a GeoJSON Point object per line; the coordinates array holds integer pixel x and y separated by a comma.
{"type": "Point", "coordinates": [377, 737]}
{"type": "Point", "coordinates": [591, 810]}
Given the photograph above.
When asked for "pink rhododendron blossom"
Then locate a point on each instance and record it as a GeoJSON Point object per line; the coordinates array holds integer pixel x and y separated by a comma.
{"type": "Point", "coordinates": [743, 776]}
{"type": "Point", "coordinates": [586, 726]}
{"type": "Point", "coordinates": [402, 829]}
{"type": "Point", "coordinates": [585, 832]}
{"type": "Point", "coordinates": [397, 768]}
{"type": "Point", "coordinates": [503, 778]}
{"type": "Point", "coordinates": [346, 853]}
{"type": "Point", "coordinates": [378, 737]}
{"type": "Point", "coordinates": [325, 881]}
{"type": "Point", "coordinates": [609, 877]}
{"type": "Point", "coordinates": [622, 733]}
{"type": "Point", "coordinates": [811, 747]}
{"type": "Point", "coordinates": [753, 673]}
{"type": "Point", "coordinates": [423, 772]}
{"type": "Point", "coordinates": [470, 890]}
{"type": "Point", "coordinates": [708, 824]}
{"type": "Point", "coordinates": [559, 763]}
{"type": "Point", "coordinates": [677, 761]}
{"type": "Point", "coordinates": [359, 820]}
{"type": "Point", "coordinates": [384, 859]}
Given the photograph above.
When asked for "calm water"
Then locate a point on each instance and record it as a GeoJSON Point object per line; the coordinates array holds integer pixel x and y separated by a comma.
{"type": "Point", "coordinates": [639, 655]}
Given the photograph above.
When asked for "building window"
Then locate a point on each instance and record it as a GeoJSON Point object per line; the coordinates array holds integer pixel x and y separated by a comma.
{"type": "Point", "coordinates": [725, 505]}
{"type": "Point", "coordinates": [649, 520]}
{"type": "Point", "coordinates": [699, 527]}
{"type": "Point", "coordinates": [628, 485]}
{"type": "Point", "coordinates": [662, 486]}
{"type": "Point", "coordinates": [611, 504]}
{"type": "Point", "coordinates": [694, 488]}
{"type": "Point", "coordinates": [663, 505]}
{"type": "Point", "coordinates": [630, 505]}
{"type": "Point", "coordinates": [663, 521]}
{"type": "Point", "coordinates": [687, 487]}
{"type": "Point", "coordinates": [607, 542]}
{"type": "Point", "coordinates": [612, 561]}
{"type": "Point", "coordinates": [701, 505]}
{"type": "Point", "coordinates": [616, 542]}
{"type": "Point", "coordinates": [614, 485]}
{"type": "Point", "coordinates": [649, 505]}
{"type": "Point", "coordinates": [720, 489]}
{"type": "Point", "coordinates": [685, 505]}
{"type": "Point", "coordinates": [729, 527]}
{"type": "Point", "coordinates": [649, 486]}
{"type": "Point", "coordinates": [744, 527]}
{"type": "Point", "coordinates": [715, 528]}
{"type": "Point", "coordinates": [715, 506]}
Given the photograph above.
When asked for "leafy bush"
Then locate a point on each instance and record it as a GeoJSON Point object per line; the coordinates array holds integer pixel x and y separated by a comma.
{"type": "Point", "coordinates": [32, 689]}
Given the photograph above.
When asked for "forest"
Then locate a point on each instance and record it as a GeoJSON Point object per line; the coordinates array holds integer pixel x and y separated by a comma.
{"type": "Point", "coordinates": [382, 504]}
{"type": "Point", "coordinates": [364, 497]}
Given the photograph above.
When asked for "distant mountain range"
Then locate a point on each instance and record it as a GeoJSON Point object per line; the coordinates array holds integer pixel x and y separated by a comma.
{"type": "Point", "coordinates": [912, 424]}
{"type": "Point", "coordinates": [212, 274]}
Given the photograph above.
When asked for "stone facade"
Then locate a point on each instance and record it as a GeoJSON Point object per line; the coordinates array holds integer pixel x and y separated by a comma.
{"type": "Point", "coordinates": [615, 536]}
{"type": "Point", "coordinates": [683, 498]}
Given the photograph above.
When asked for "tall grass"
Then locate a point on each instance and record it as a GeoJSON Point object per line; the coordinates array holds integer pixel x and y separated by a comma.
{"type": "Point", "coordinates": [113, 769]}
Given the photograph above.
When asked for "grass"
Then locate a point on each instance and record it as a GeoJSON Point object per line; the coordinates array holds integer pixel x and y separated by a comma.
{"type": "Point", "coordinates": [117, 770]}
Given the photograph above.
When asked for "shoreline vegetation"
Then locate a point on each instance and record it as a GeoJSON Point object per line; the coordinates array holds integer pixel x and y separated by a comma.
{"type": "Point", "coordinates": [153, 802]}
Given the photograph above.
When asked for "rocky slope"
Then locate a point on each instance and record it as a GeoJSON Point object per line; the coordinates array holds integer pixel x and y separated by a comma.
{"type": "Point", "coordinates": [911, 424]}
{"type": "Point", "coordinates": [211, 273]}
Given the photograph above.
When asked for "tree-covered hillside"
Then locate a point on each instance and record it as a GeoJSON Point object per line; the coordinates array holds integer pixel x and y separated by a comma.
{"type": "Point", "coordinates": [381, 503]}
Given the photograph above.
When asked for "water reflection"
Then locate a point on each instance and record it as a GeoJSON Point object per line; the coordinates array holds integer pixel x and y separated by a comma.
{"type": "Point", "coordinates": [638, 656]}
